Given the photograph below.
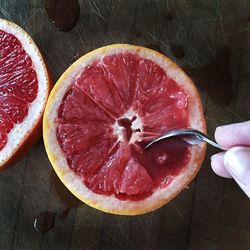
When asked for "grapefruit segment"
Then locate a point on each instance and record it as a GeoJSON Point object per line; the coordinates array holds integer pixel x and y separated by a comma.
{"type": "Point", "coordinates": [149, 75]}
{"type": "Point", "coordinates": [76, 137]}
{"type": "Point", "coordinates": [101, 114]}
{"type": "Point", "coordinates": [24, 88]}
{"type": "Point", "coordinates": [3, 140]}
{"type": "Point", "coordinates": [135, 179]}
{"type": "Point", "coordinates": [5, 123]}
{"type": "Point", "coordinates": [95, 84]}
{"type": "Point", "coordinates": [13, 55]}
{"type": "Point", "coordinates": [77, 107]}
{"type": "Point", "coordinates": [121, 70]}
{"type": "Point", "coordinates": [171, 103]}
{"type": "Point", "coordinates": [21, 84]}
{"type": "Point", "coordinates": [169, 93]}
{"type": "Point", "coordinates": [107, 180]}
{"type": "Point", "coordinates": [88, 160]}
{"type": "Point", "coordinates": [14, 108]}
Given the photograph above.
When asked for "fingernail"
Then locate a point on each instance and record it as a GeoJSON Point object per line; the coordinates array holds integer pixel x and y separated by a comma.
{"type": "Point", "coordinates": [213, 157]}
{"type": "Point", "coordinates": [217, 156]}
{"type": "Point", "coordinates": [237, 162]}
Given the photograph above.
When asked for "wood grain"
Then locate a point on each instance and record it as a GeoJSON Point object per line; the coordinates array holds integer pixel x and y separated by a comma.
{"type": "Point", "coordinates": [213, 213]}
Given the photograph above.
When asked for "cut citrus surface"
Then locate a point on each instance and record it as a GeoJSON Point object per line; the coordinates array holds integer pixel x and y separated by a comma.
{"type": "Point", "coordinates": [24, 89]}
{"type": "Point", "coordinates": [99, 117]}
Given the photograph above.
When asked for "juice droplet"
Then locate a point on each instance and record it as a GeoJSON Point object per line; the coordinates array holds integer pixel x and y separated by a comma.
{"type": "Point", "coordinates": [44, 221]}
{"type": "Point", "coordinates": [63, 13]}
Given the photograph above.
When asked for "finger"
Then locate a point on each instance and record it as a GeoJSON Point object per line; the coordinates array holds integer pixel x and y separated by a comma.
{"type": "Point", "coordinates": [234, 134]}
{"type": "Point", "coordinates": [217, 163]}
{"type": "Point", "coordinates": [237, 163]}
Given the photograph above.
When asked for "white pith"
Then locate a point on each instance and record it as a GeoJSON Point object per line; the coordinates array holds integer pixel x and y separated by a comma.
{"type": "Point", "coordinates": [119, 131]}
{"type": "Point", "coordinates": [73, 181]}
{"type": "Point", "coordinates": [36, 108]}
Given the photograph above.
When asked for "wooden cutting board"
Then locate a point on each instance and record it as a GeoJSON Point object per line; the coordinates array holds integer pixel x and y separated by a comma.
{"type": "Point", "coordinates": [211, 41]}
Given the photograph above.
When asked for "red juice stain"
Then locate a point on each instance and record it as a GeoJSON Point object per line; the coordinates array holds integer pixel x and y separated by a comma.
{"type": "Point", "coordinates": [63, 13]}
{"type": "Point", "coordinates": [69, 200]}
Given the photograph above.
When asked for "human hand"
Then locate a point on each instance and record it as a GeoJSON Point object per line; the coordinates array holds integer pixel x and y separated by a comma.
{"type": "Point", "coordinates": [235, 162]}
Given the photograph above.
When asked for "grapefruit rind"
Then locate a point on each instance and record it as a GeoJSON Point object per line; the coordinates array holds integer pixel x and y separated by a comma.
{"type": "Point", "coordinates": [22, 132]}
{"type": "Point", "coordinates": [74, 183]}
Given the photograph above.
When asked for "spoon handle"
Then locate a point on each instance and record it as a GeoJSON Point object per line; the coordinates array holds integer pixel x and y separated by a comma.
{"type": "Point", "coordinates": [197, 137]}
{"type": "Point", "coordinates": [202, 137]}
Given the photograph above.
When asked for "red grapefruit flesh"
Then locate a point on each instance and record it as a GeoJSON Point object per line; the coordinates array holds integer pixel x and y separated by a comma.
{"type": "Point", "coordinates": [121, 99]}
{"type": "Point", "coordinates": [23, 87]}
{"type": "Point", "coordinates": [111, 85]}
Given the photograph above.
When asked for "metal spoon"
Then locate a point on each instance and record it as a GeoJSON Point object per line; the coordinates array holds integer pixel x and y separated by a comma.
{"type": "Point", "coordinates": [191, 136]}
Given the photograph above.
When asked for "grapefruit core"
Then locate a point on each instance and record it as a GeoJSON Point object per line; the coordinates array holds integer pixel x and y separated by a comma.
{"type": "Point", "coordinates": [100, 115]}
{"type": "Point", "coordinates": [24, 89]}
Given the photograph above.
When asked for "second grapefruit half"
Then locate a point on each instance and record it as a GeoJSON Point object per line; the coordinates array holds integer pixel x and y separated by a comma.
{"type": "Point", "coordinates": [24, 90]}
{"type": "Point", "coordinates": [102, 112]}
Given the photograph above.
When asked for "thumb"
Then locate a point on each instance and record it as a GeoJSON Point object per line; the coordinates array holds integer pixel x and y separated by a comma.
{"type": "Point", "coordinates": [237, 163]}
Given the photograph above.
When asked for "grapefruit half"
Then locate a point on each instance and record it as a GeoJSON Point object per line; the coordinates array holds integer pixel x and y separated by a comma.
{"type": "Point", "coordinates": [24, 90]}
{"type": "Point", "coordinates": [99, 117]}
